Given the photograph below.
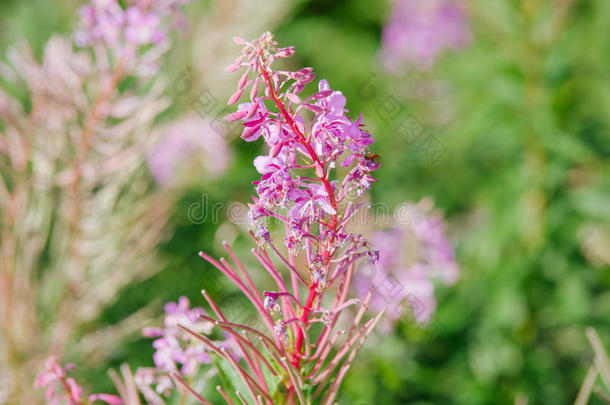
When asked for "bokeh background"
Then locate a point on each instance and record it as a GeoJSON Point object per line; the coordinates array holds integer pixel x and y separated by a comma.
{"type": "Point", "coordinates": [521, 111]}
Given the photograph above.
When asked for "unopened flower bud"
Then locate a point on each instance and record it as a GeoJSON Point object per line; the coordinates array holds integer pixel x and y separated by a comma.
{"type": "Point", "coordinates": [271, 304]}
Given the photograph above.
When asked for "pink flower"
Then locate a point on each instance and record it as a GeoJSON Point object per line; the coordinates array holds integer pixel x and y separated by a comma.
{"type": "Point", "coordinates": [334, 137]}
{"type": "Point", "coordinates": [142, 23]}
{"type": "Point", "coordinates": [101, 21]}
{"type": "Point", "coordinates": [177, 351]}
{"type": "Point", "coordinates": [188, 141]}
{"type": "Point", "coordinates": [54, 374]}
{"type": "Point", "coordinates": [419, 30]}
{"type": "Point", "coordinates": [411, 256]}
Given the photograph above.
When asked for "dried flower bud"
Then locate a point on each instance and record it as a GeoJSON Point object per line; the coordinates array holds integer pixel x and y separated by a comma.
{"type": "Point", "coordinates": [235, 97]}
{"type": "Point", "coordinates": [280, 329]}
{"type": "Point", "coordinates": [271, 304]}
{"type": "Point", "coordinates": [319, 278]}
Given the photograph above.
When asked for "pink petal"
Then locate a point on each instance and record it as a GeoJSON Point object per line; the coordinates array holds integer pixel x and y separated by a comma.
{"type": "Point", "coordinates": [263, 164]}
{"type": "Point", "coordinates": [285, 52]}
{"type": "Point", "coordinates": [323, 94]}
{"type": "Point", "coordinates": [255, 123]}
{"type": "Point", "coordinates": [323, 85]}
{"type": "Point", "coordinates": [313, 108]}
{"type": "Point", "coordinates": [252, 110]}
{"type": "Point", "coordinates": [294, 98]}
{"type": "Point", "coordinates": [251, 134]}
{"type": "Point", "coordinates": [276, 149]}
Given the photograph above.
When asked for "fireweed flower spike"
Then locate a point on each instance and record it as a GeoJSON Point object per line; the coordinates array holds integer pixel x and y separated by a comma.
{"type": "Point", "coordinates": [75, 127]}
{"type": "Point", "coordinates": [288, 360]}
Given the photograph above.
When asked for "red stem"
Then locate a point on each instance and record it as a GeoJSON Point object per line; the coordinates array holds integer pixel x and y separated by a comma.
{"type": "Point", "coordinates": [304, 318]}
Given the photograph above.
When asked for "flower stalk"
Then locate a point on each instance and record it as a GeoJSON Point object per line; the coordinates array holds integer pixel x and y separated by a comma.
{"type": "Point", "coordinates": [300, 187]}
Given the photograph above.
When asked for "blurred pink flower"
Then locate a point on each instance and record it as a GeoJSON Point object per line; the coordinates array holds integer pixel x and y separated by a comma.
{"type": "Point", "coordinates": [54, 374]}
{"type": "Point", "coordinates": [419, 30]}
{"type": "Point", "coordinates": [411, 255]}
{"type": "Point", "coordinates": [142, 28]}
{"type": "Point", "coordinates": [188, 140]}
{"type": "Point", "coordinates": [177, 351]}
{"type": "Point", "coordinates": [140, 23]}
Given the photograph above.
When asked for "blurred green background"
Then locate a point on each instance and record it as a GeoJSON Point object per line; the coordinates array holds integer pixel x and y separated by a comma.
{"type": "Point", "coordinates": [523, 114]}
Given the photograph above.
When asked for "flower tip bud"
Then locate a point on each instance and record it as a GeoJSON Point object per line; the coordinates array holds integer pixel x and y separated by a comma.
{"type": "Point", "coordinates": [235, 116]}
{"type": "Point", "coordinates": [235, 97]}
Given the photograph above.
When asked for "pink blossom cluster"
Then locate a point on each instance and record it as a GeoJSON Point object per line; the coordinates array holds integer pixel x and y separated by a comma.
{"type": "Point", "coordinates": [419, 30]}
{"type": "Point", "coordinates": [435, 250]}
{"type": "Point", "coordinates": [140, 23]}
{"type": "Point", "coordinates": [299, 183]}
{"type": "Point", "coordinates": [191, 139]}
{"type": "Point", "coordinates": [296, 184]}
{"type": "Point", "coordinates": [176, 351]}
{"type": "Point", "coordinates": [411, 256]}
{"type": "Point", "coordinates": [179, 352]}
{"type": "Point", "coordinates": [68, 392]}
